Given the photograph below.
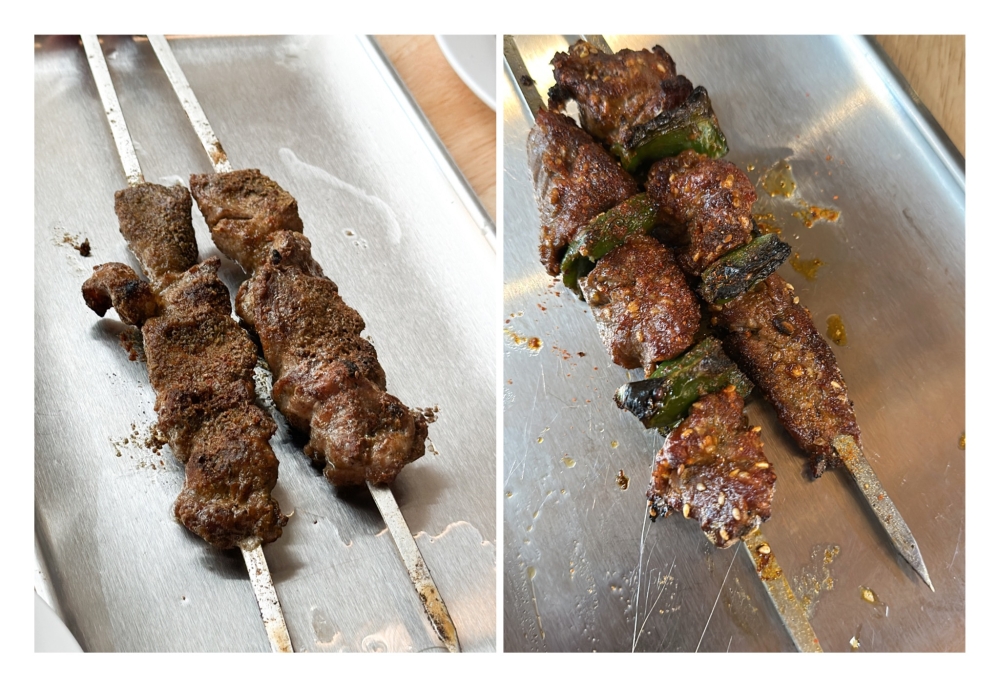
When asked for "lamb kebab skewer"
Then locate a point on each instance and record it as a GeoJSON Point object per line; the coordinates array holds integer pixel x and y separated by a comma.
{"type": "Point", "coordinates": [769, 334]}
{"type": "Point", "coordinates": [647, 314]}
{"type": "Point", "coordinates": [200, 365]}
{"type": "Point", "coordinates": [327, 379]}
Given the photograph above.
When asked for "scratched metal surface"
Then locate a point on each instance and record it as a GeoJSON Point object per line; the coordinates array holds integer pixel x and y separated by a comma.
{"type": "Point", "coordinates": [317, 115]}
{"type": "Point", "coordinates": [583, 567]}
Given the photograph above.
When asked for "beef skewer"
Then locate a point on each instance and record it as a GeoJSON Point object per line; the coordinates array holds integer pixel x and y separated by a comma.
{"type": "Point", "coordinates": [561, 157]}
{"type": "Point", "coordinates": [769, 334]}
{"type": "Point", "coordinates": [200, 365]}
{"type": "Point", "coordinates": [328, 381]}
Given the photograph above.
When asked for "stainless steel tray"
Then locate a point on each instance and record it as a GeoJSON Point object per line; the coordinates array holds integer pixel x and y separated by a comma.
{"type": "Point", "coordinates": [326, 119]}
{"type": "Point", "coordinates": [583, 567]}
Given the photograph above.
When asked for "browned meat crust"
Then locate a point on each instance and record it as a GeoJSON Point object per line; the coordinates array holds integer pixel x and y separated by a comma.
{"type": "Point", "coordinates": [617, 92]}
{"type": "Point", "coordinates": [575, 180]}
{"type": "Point", "coordinates": [712, 468]}
{"type": "Point", "coordinates": [708, 203]}
{"type": "Point", "coordinates": [201, 367]}
{"type": "Point", "coordinates": [114, 285]}
{"type": "Point", "coordinates": [775, 343]}
{"type": "Point", "coordinates": [327, 378]}
{"type": "Point", "coordinates": [156, 222]}
{"type": "Point", "coordinates": [243, 208]}
{"type": "Point", "coordinates": [645, 311]}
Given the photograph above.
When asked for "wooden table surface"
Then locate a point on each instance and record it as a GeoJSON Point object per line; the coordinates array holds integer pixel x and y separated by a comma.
{"type": "Point", "coordinates": [466, 125]}
{"type": "Point", "coordinates": [935, 68]}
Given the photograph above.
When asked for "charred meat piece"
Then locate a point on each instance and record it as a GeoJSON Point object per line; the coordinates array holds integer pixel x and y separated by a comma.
{"type": "Point", "coordinates": [645, 311]}
{"type": "Point", "coordinates": [575, 180]}
{"type": "Point", "coordinates": [712, 468]}
{"type": "Point", "coordinates": [774, 341]}
{"type": "Point", "coordinates": [708, 205]}
{"type": "Point", "coordinates": [243, 208]}
{"type": "Point", "coordinates": [617, 92]}
{"type": "Point", "coordinates": [201, 367]}
{"type": "Point", "coordinates": [327, 378]}
{"type": "Point", "coordinates": [156, 223]}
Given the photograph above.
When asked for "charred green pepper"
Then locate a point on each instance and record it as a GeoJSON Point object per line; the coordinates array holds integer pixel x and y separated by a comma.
{"type": "Point", "coordinates": [738, 270]}
{"type": "Point", "coordinates": [691, 125]}
{"type": "Point", "coordinates": [604, 233]}
{"type": "Point", "coordinates": [662, 400]}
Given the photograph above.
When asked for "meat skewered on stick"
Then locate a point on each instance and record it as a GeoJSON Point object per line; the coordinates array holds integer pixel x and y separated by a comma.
{"type": "Point", "coordinates": [200, 365]}
{"type": "Point", "coordinates": [769, 334]}
{"type": "Point", "coordinates": [574, 181]}
{"type": "Point", "coordinates": [328, 381]}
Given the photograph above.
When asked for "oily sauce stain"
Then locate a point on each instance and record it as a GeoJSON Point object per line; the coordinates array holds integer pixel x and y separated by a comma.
{"type": "Point", "coordinates": [807, 268]}
{"type": "Point", "coordinates": [533, 343]}
{"type": "Point", "coordinates": [767, 223]}
{"type": "Point", "coordinates": [835, 330]}
{"type": "Point", "coordinates": [810, 214]}
{"type": "Point", "coordinates": [622, 480]}
{"type": "Point", "coordinates": [778, 180]}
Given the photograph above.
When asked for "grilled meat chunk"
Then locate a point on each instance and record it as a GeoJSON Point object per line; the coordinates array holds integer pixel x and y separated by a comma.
{"type": "Point", "coordinates": [575, 180]}
{"type": "Point", "coordinates": [114, 285]}
{"type": "Point", "coordinates": [775, 343]}
{"type": "Point", "coordinates": [712, 468]}
{"type": "Point", "coordinates": [201, 367]}
{"type": "Point", "coordinates": [243, 208]}
{"type": "Point", "coordinates": [617, 92]}
{"type": "Point", "coordinates": [645, 311]}
{"type": "Point", "coordinates": [707, 203]}
{"type": "Point", "coordinates": [327, 378]}
{"type": "Point", "coordinates": [156, 223]}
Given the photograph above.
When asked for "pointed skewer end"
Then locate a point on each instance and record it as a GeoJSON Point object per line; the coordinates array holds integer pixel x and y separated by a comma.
{"type": "Point", "coordinates": [926, 578]}
{"type": "Point", "coordinates": [885, 510]}
{"type": "Point", "coordinates": [437, 612]}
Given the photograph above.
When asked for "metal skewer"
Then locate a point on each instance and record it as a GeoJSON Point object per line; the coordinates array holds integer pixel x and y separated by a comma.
{"type": "Point", "coordinates": [888, 516]}
{"type": "Point", "coordinates": [793, 615]}
{"type": "Point", "coordinates": [434, 607]}
{"type": "Point", "coordinates": [253, 553]}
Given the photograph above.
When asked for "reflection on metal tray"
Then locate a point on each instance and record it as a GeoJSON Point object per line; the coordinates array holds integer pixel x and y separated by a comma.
{"type": "Point", "coordinates": [324, 117]}
{"type": "Point", "coordinates": [584, 569]}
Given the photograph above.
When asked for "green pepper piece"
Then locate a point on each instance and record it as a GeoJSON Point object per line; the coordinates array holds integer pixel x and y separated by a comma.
{"type": "Point", "coordinates": [738, 270]}
{"type": "Point", "coordinates": [693, 125]}
{"type": "Point", "coordinates": [603, 234]}
{"type": "Point", "coordinates": [662, 400]}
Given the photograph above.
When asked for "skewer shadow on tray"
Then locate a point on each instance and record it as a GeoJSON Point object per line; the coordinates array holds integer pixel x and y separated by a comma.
{"type": "Point", "coordinates": [358, 498]}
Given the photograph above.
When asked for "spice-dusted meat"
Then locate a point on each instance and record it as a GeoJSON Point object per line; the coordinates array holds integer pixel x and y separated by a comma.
{"type": "Point", "coordinates": [301, 318]}
{"type": "Point", "coordinates": [645, 311]}
{"type": "Point", "coordinates": [243, 208]}
{"type": "Point", "coordinates": [114, 285]}
{"type": "Point", "coordinates": [773, 340]}
{"type": "Point", "coordinates": [201, 367]}
{"type": "Point", "coordinates": [327, 378]}
{"type": "Point", "coordinates": [156, 223]}
{"type": "Point", "coordinates": [708, 203]}
{"type": "Point", "coordinates": [575, 180]}
{"type": "Point", "coordinates": [617, 92]}
{"type": "Point", "coordinates": [712, 468]}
